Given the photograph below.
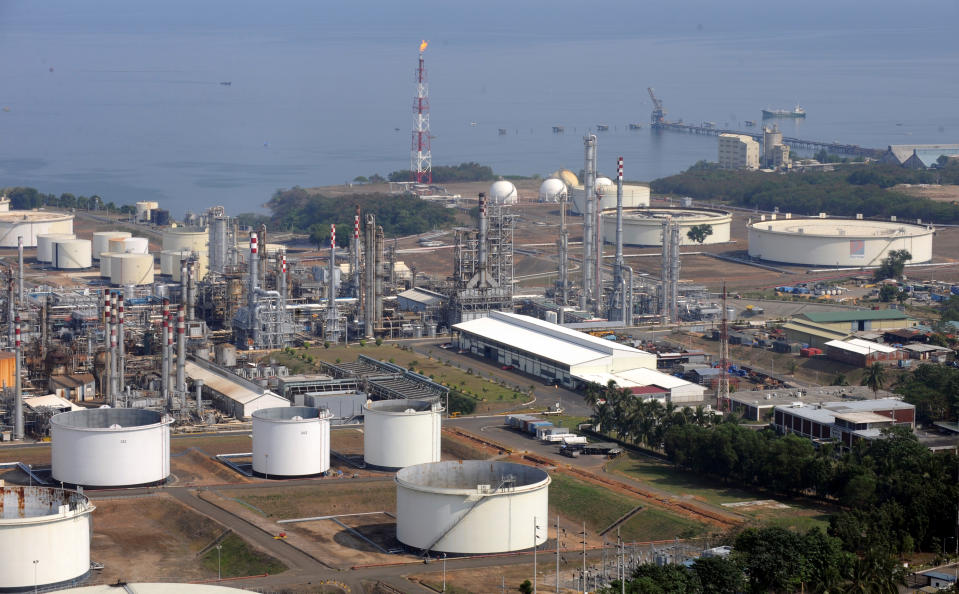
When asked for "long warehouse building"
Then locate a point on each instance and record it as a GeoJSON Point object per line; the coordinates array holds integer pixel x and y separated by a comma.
{"type": "Point", "coordinates": [546, 350]}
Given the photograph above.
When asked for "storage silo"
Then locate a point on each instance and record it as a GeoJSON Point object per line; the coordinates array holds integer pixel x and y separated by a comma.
{"type": "Point", "coordinates": [45, 245]}
{"type": "Point", "coordinates": [401, 433]}
{"type": "Point", "coordinates": [105, 264]}
{"type": "Point", "coordinates": [471, 506]}
{"type": "Point", "coordinates": [101, 241]}
{"type": "Point", "coordinates": [503, 192]}
{"type": "Point", "coordinates": [44, 538]}
{"type": "Point", "coordinates": [131, 269]}
{"type": "Point", "coordinates": [129, 245]}
{"type": "Point", "coordinates": [179, 239]}
{"type": "Point", "coordinates": [552, 190]}
{"type": "Point", "coordinates": [110, 447]}
{"type": "Point", "coordinates": [30, 224]}
{"type": "Point", "coordinates": [72, 254]}
{"type": "Point", "coordinates": [291, 441]}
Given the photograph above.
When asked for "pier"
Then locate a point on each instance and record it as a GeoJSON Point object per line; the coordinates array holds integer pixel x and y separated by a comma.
{"type": "Point", "coordinates": [831, 147]}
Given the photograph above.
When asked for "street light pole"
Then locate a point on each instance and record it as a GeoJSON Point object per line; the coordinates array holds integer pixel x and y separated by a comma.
{"type": "Point", "coordinates": [534, 554]}
{"type": "Point", "coordinates": [35, 562]}
{"type": "Point", "coordinates": [219, 576]}
{"type": "Point", "coordinates": [444, 572]}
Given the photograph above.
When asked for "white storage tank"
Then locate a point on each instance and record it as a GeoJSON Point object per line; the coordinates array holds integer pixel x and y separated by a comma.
{"type": "Point", "coordinates": [30, 224]}
{"type": "Point", "coordinates": [144, 208]}
{"type": "Point", "coordinates": [471, 506]}
{"type": "Point", "coordinates": [634, 196]}
{"type": "Point", "coordinates": [129, 245]}
{"type": "Point", "coordinates": [170, 262]}
{"type": "Point", "coordinates": [131, 269]}
{"type": "Point", "coordinates": [45, 538]}
{"type": "Point", "coordinates": [101, 241]}
{"type": "Point", "coordinates": [110, 447]}
{"type": "Point", "coordinates": [644, 226]}
{"type": "Point", "coordinates": [552, 190]}
{"type": "Point", "coordinates": [837, 242]}
{"type": "Point", "coordinates": [105, 264]}
{"type": "Point", "coordinates": [72, 254]}
{"type": "Point", "coordinates": [400, 433]}
{"type": "Point", "coordinates": [45, 245]}
{"type": "Point", "coordinates": [291, 441]}
{"type": "Point", "coordinates": [179, 239]}
{"type": "Point", "coordinates": [503, 192]}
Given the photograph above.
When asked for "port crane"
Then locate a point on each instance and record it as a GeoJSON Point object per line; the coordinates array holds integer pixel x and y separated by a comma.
{"type": "Point", "coordinates": [659, 114]}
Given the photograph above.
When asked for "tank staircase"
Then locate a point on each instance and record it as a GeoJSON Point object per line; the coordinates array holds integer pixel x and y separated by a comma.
{"type": "Point", "coordinates": [507, 484]}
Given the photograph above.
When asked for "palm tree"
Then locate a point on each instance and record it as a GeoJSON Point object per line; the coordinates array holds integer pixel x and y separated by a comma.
{"type": "Point", "coordinates": [874, 378]}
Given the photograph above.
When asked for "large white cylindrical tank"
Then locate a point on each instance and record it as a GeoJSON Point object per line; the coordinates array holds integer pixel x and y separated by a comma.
{"type": "Point", "coordinates": [503, 192]}
{"type": "Point", "coordinates": [110, 447]}
{"type": "Point", "coordinates": [552, 190]}
{"type": "Point", "coordinates": [185, 239]}
{"type": "Point", "coordinates": [29, 224]}
{"type": "Point", "coordinates": [72, 254]}
{"type": "Point", "coordinates": [170, 262]}
{"type": "Point", "coordinates": [471, 506]}
{"type": "Point", "coordinates": [44, 537]}
{"type": "Point", "coordinates": [101, 241]}
{"type": "Point", "coordinates": [400, 433]}
{"type": "Point", "coordinates": [836, 242]}
{"type": "Point", "coordinates": [634, 196]}
{"type": "Point", "coordinates": [645, 226]}
{"type": "Point", "coordinates": [45, 245]}
{"type": "Point", "coordinates": [105, 264]}
{"type": "Point", "coordinates": [291, 441]}
{"type": "Point", "coordinates": [129, 245]}
{"type": "Point", "coordinates": [131, 269]}
{"type": "Point", "coordinates": [144, 207]}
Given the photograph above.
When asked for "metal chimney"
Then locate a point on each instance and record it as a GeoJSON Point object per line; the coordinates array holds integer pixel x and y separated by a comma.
{"type": "Point", "coordinates": [198, 384]}
{"type": "Point", "coordinates": [17, 388]}
{"type": "Point", "coordinates": [589, 143]}
{"type": "Point", "coordinates": [181, 357]}
{"type": "Point", "coordinates": [165, 356]}
{"type": "Point", "coordinates": [618, 265]}
{"type": "Point", "coordinates": [121, 347]}
{"type": "Point", "coordinates": [20, 269]}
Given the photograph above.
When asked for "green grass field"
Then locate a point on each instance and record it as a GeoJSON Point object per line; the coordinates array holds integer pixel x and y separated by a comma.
{"type": "Point", "coordinates": [800, 515]}
{"type": "Point", "coordinates": [238, 559]}
{"type": "Point", "coordinates": [599, 507]}
{"type": "Point", "coordinates": [490, 396]}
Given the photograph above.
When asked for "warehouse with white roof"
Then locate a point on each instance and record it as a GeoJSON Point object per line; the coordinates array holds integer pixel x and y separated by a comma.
{"type": "Point", "coordinates": [675, 389]}
{"type": "Point", "coordinates": [552, 352]}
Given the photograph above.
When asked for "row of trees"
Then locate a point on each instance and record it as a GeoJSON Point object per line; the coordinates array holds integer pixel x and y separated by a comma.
{"type": "Point", "coordinates": [442, 174]}
{"type": "Point", "coordinates": [23, 198]}
{"type": "Point", "coordinates": [934, 390]}
{"type": "Point", "coordinates": [898, 496]}
{"type": "Point", "coordinates": [772, 560]}
{"type": "Point", "coordinates": [299, 210]}
{"type": "Point", "coordinates": [864, 190]}
{"type": "Point", "coordinates": [638, 421]}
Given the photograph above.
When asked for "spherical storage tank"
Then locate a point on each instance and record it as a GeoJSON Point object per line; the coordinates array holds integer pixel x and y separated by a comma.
{"type": "Point", "coordinates": [503, 192]}
{"type": "Point", "coordinates": [471, 506]}
{"type": "Point", "coordinates": [45, 245]}
{"type": "Point", "coordinates": [291, 441]}
{"type": "Point", "coordinates": [645, 226]}
{"type": "Point", "coordinates": [72, 254]}
{"type": "Point", "coordinates": [836, 242]}
{"type": "Point", "coordinates": [31, 223]}
{"type": "Point", "coordinates": [552, 190]}
{"type": "Point", "coordinates": [634, 195]}
{"type": "Point", "coordinates": [400, 433]}
{"type": "Point", "coordinates": [44, 537]}
{"type": "Point", "coordinates": [110, 447]}
{"type": "Point", "coordinates": [101, 241]}
{"type": "Point", "coordinates": [131, 269]}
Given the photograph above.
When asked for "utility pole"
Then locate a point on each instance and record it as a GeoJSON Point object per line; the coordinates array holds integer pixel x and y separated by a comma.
{"type": "Point", "coordinates": [557, 554]}
{"type": "Point", "coordinates": [584, 557]}
{"type": "Point", "coordinates": [534, 553]}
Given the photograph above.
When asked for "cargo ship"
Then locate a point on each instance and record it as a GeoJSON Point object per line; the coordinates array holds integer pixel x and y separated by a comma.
{"type": "Point", "coordinates": [796, 112]}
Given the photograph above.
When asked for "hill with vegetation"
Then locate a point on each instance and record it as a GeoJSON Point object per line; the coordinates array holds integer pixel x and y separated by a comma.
{"type": "Point", "coordinates": [300, 211]}
{"type": "Point", "coordinates": [865, 189]}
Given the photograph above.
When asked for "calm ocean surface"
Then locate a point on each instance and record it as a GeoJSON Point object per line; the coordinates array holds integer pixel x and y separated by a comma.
{"type": "Point", "coordinates": [124, 100]}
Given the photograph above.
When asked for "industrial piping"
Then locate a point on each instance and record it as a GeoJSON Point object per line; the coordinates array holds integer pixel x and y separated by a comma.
{"type": "Point", "coordinates": [251, 297]}
{"type": "Point", "coordinates": [121, 347]}
{"type": "Point", "coordinates": [618, 265]}
{"type": "Point", "coordinates": [20, 269]}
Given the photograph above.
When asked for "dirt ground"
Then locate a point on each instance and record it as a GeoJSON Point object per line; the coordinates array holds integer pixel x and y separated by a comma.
{"type": "Point", "coordinates": [150, 539]}
{"type": "Point", "coordinates": [939, 193]}
{"type": "Point", "coordinates": [461, 581]}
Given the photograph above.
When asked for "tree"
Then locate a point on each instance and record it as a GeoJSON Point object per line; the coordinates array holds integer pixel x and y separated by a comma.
{"type": "Point", "coordinates": [888, 293]}
{"type": "Point", "coordinates": [699, 233]}
{"type": "Point", "coordinates": [874, 378]}
{"type": "Point", "coordinates": [769, 558]}
{"type": "Point", "coordinates": [719, 575]}
{"type": "Point", "coordinates": [893, 265]}
{"type": "Point", "coordinates": [840, 380]}
{"type": "Point", "coordinates": [950, 309]}
{"type": "Point", "coordinates": [526, 587]}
